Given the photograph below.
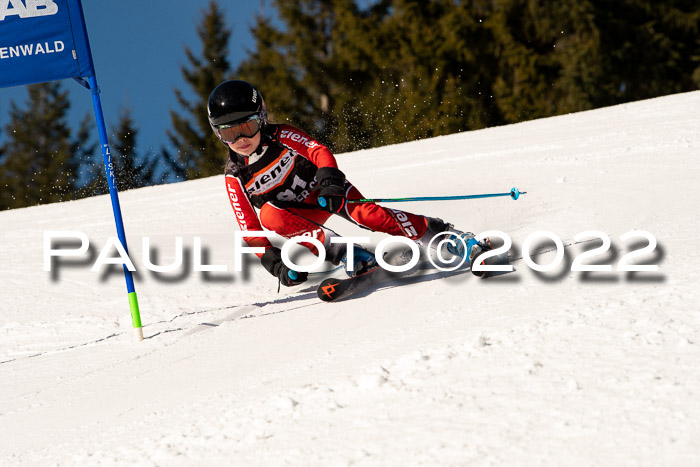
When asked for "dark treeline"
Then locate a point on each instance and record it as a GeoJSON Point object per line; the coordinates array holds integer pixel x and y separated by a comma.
{"type": "Point", "coordinates": [398, 70]}
{"type": "Point", "coordinates": [44, 160]}
{"type": "Point", "coordinates": [360, 74]}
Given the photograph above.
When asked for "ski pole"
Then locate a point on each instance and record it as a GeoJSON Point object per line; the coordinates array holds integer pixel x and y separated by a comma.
{"type": "Point", "coordinates": [513, 193]}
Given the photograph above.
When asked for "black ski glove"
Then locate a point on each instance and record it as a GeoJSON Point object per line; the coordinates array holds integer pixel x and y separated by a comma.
{"type": "Point", "coordinates": [289, 277]}
{"type": "Point", "coordinates": [272, 261]}
{"type": "Point", "coordinates": [332, 195]}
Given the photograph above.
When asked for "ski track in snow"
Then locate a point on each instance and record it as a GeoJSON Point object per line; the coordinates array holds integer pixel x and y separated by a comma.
{"type": "Point", "coordinates": [558, 368]}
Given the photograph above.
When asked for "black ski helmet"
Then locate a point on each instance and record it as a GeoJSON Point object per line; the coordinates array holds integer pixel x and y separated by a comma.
{"type": "Point", "coordinates": [233, 101]}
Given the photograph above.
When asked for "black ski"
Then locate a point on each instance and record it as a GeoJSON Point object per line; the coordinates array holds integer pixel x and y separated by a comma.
{"type": "Point", "coordinates": [333, 289]}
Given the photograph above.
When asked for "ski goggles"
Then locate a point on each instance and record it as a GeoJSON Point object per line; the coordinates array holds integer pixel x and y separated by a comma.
{"type": "Point", "coordinates": [245, 129]}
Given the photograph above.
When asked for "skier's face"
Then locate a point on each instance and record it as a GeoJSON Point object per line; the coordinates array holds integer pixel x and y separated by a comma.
{"type": "Point", "coordinates": [245, 146]}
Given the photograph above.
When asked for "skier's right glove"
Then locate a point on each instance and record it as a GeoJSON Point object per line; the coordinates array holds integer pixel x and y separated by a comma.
{"type": "Point", "coordinates": [272, 261]}
{"type": "Point", "coordinates": [332, 195]}
{"type": "Point", "coordinates": [289, 277]}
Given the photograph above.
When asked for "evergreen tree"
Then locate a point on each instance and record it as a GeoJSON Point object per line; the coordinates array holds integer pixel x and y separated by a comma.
{"type": "Point", "coordinates": [271, 70]}
{"type": "Point", "coordinates": [398, 70]}
{"type": "Point", "coordinates": [132, 169]}
{"type": "Point", "coordinates": [41, 160]}
{"type": "Point", "coordinates": [548, 57]}
{"type": "Point", "coordinates": [389, 72]}
{"type": "Point", "coordinates": [291, 67]}
{"type": "Point", "coordinates": [314, 71]}
{"type": "Point", "coordinates": [124, 154]}
{"type": "Point", "coordinates": [198, 152]}
{"type": "Point", "coordinates": [649, 48]}
{"type": "Point", "coordinates": [359, 45]}
{"type": "Point", "coordinates": [434, 71]}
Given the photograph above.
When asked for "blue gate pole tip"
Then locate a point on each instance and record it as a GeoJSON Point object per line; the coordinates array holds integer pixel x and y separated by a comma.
{"type": "Point", "coordinates": [514, 193]}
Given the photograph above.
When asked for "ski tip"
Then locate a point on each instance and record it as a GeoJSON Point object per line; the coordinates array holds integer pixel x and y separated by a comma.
{"type": "Point", "coordinates": [328, 290]}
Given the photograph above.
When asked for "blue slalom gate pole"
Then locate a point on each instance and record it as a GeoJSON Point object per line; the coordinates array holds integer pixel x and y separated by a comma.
{"type": "Point", "coordinates": [514, 193]}
{"type": "Point", "coordinates": [112, 182]}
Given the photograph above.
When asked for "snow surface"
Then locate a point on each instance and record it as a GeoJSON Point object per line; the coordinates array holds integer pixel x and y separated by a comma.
{"type": "Point", "coordinates": [558, 368]}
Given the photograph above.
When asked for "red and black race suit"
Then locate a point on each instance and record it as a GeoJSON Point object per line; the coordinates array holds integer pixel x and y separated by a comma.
{"type": "Point", "coordinates": [282, 175]}
{"type": "Point", "coordinates": [285, 172]}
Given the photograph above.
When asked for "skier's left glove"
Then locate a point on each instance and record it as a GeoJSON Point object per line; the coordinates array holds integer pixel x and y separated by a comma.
{"type": "Point", "coordinates": [332, 193]}
{"type": "Point", "coordinates": [272, 261]}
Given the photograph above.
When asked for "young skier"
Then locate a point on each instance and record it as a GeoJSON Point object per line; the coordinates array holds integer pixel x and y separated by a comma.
{"type": "Point", "coordinates": [295, 183]}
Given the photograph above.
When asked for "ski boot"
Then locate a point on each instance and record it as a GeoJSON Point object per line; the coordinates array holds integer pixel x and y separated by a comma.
{"type": "Point", "coordinates": [336, 253]}
{"type": "Point", "coordinates": [464, 245]}
{"type": "Point", "coordinates": [456, 243]}
{"type": "Point", "coordinates": [364, 261]}
{"type": "Point", "coordinates": [476, 249]}
{"type": "Point", "coordinates": [443, 236]}
{"type": "Point", "coordinates": [460, 243]}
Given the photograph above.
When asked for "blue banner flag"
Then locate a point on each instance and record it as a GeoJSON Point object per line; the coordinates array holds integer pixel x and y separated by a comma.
{"type": "Point", "coordinates": [43, 40]}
